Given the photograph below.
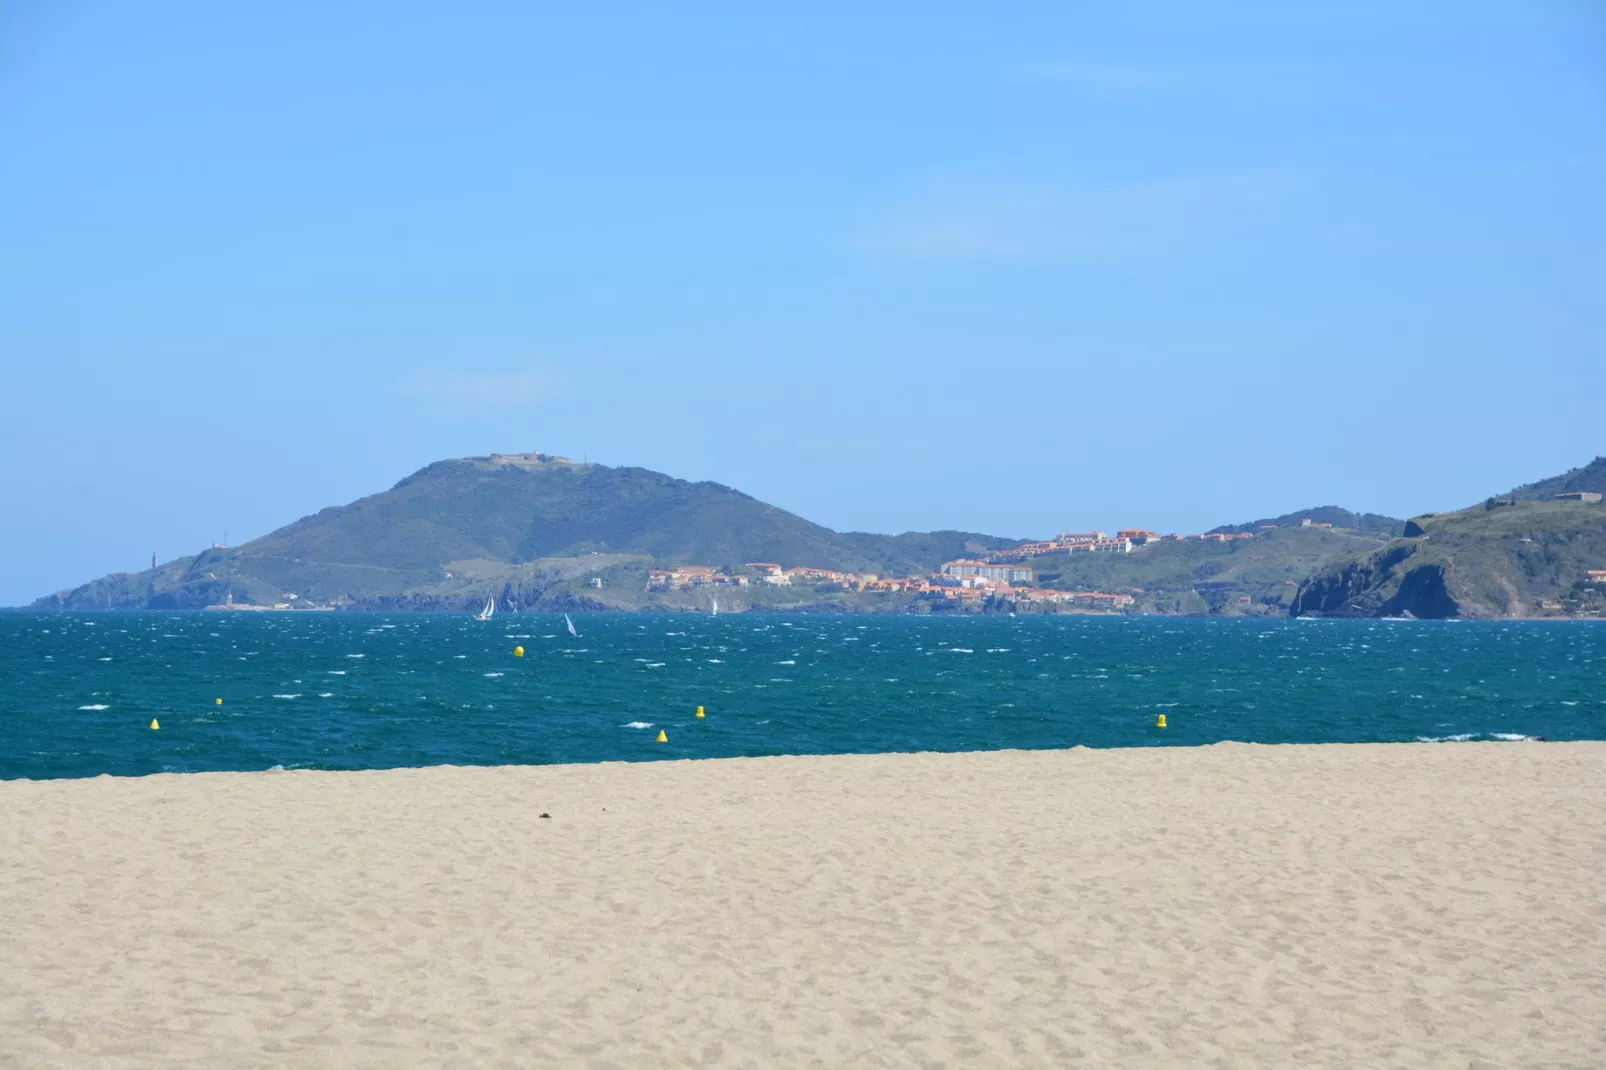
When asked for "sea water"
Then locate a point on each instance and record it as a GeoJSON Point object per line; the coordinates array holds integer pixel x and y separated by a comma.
{"type": "Point", "coordinates": [78, 691]}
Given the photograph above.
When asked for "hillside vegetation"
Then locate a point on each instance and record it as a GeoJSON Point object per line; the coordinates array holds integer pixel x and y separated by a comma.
{"type": "Point", "coordinates": [1258, 575]}
{"type": "Point", "coordinates": [539, 532]}
{"type": "Point", "coordinates": [526, 527]}
{"type": "Point", "coordinates": [1530, 558]}
{"type": "Point", "coordinates": [1591, 477]}
{"type": "Point", "coordinates": [1322, 514]}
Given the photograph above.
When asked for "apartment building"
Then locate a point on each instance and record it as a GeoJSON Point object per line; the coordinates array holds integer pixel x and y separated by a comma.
{"type": "Point", "coordinates": [996, 571]}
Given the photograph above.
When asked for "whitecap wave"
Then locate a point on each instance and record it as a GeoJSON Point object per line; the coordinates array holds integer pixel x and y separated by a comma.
{"type": "Point", "coordinates": [493, 675]}
{"type": "Point", "coordinates": [1465, 737]}
{"type": "Point", "coordinates": [296, 695]}
{"type": "Point", "coordinates": [95, 706]}
{"type": "Point", "coordinates": [637, 724]}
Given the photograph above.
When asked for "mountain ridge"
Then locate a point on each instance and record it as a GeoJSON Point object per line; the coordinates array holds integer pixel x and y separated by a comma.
{"type": "Point", "coordinates": [542, 532]}
{"type": "Point", "coordinates": [1589, 477]}
{"type": "Point", "coordinates": [1321, 514]}
{"type": "Point", "coordinates": [506, 512]}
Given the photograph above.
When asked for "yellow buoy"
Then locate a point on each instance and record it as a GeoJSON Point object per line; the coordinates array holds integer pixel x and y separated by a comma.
{"type": "Point", "coordinates": [518, 651]}
{"type": "Point", "coordinates": [661, 737]}
{"type": "Point", "coordinates": [155, 724]}
{"type": "Point", "coordinates": [699, 711]}
{"type": "Point", "coordinates": [1161, 722]}
{"type": "Point", "coordinates": [218, 701]}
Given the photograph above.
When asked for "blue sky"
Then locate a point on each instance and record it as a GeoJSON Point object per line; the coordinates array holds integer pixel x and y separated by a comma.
{"type": "Point", "coordinates": [1010, 268]}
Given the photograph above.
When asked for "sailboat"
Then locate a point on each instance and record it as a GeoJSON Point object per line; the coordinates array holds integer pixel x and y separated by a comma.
{"type": "Point", "coordinates": [570, 623]}
{"type": "Point", "coordinates": [713, 610]}
{"type": "Point", "coordinates": [489, 611]}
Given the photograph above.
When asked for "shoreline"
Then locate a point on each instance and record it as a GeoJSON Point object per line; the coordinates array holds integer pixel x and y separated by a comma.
{"type": "Point", "coordinates": [618, 762]}
{"type": "Point", "coordinates": [1255, 904]}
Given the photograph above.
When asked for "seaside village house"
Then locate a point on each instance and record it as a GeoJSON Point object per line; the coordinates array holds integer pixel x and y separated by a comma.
{"type": "Point", "coordinates": [967, 580]}
{"type": "Point", "coordinates": [1082, 542]}
{"type": "Point", "coordinates": [686, 577]}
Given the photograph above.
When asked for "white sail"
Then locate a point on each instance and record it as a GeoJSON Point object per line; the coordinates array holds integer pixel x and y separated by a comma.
{"type": "Point", "coordinates": [715, 610]}
{"type": "Point", "coordinates": [570, 623]}
{"type": "Point", "coordinates": [488, 611]}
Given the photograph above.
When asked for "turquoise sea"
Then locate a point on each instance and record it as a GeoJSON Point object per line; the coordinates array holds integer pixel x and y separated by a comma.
{"type": "Point", "coordinates": [361, 691]}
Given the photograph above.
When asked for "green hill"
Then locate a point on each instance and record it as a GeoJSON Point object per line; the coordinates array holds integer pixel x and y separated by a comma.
{"type": "Point", "coordinates": [528, 527]}
{"type": "Point", "coordinates": [1591, 477]}
{"type": "Point", "coordinates": [1322, 514]}
{"type": "Point", "coordinates": [1257, 575]}
{"type": "Point", "coordinates": [1528, 558]}
{"type": "Point", "coordinates": [539, 532]}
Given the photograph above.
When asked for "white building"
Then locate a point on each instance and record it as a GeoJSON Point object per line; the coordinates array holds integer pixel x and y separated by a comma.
{"type": "Point", "coordinates": [998, 572]}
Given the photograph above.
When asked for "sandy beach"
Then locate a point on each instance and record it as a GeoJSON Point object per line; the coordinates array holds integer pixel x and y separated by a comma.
{"type": "Point", "coordinates": [1233, 905]}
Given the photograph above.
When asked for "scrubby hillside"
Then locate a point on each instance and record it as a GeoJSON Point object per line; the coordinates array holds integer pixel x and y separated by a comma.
{"type": "Point", "coordinates": [457, 530]}
{"type": "Point", "coordinates": [1530, 558]}
{"type": "Point", "coordinates": [1591, 477]}
{"type": "Point", "coordinates": [1323, 514]}
{"type": "Point", "coordinates": [1242, 575]}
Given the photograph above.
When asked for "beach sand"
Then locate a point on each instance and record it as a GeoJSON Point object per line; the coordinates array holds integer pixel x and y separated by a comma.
{"type": "Point", "coordinates": [1233, 905]}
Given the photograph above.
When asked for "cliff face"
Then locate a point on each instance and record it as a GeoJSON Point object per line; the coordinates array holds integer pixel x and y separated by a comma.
{"type": "Point", "coordinates": [1360, 587]}
{"type": "Point", "coordinates": [187, 583]}
{"type": "Point", "coordinates": [1530, 558]}
{"type": "Point", "coordinates": [1384, 584]}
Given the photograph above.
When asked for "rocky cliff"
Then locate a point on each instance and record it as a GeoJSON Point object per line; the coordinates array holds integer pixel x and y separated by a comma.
{"type": "Point", "coordinates": [1521, 559]}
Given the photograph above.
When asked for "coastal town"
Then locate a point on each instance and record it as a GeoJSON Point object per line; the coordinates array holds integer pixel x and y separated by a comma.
{"type": "Point", "coordinates": [996, 574]}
